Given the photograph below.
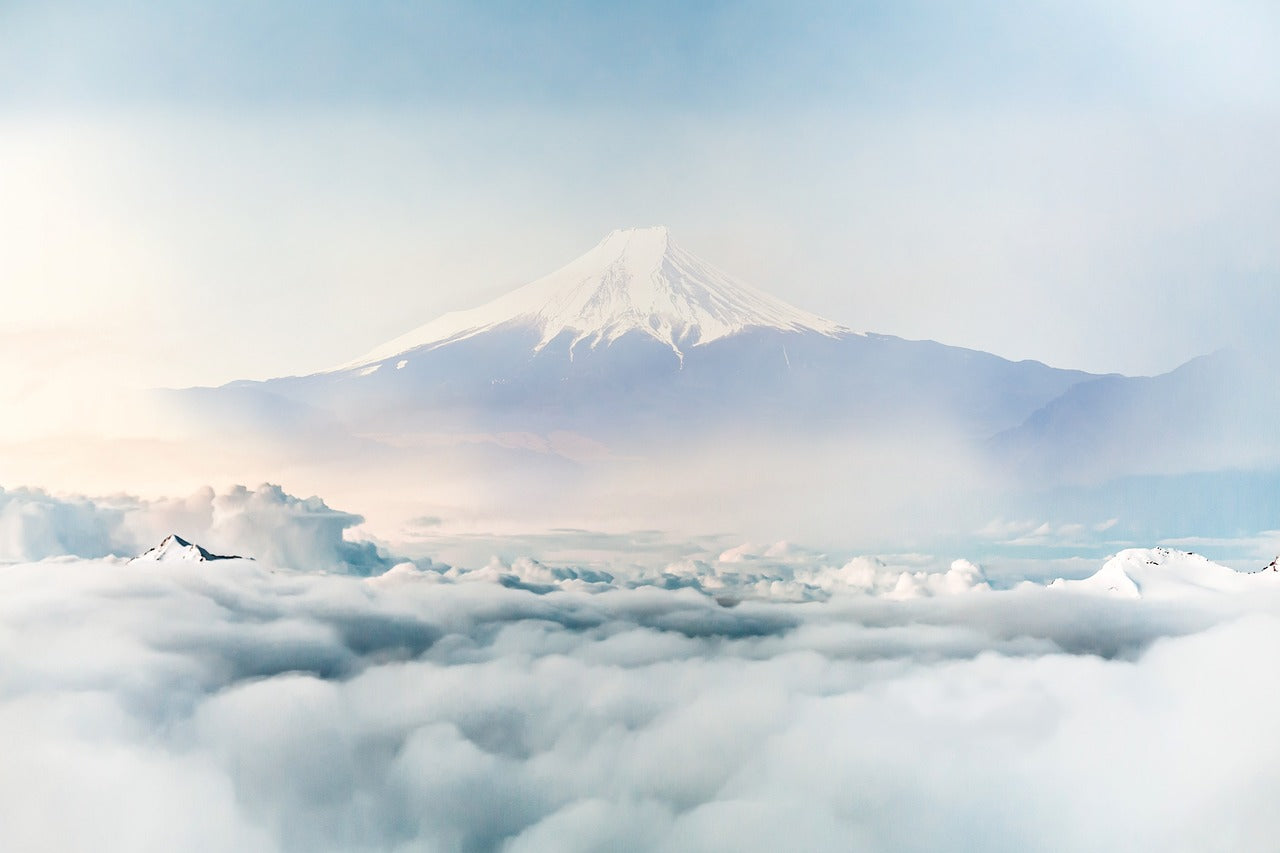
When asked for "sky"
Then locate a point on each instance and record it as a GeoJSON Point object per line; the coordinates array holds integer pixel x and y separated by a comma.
{"type": "Point", "coordinates": [198, 192]}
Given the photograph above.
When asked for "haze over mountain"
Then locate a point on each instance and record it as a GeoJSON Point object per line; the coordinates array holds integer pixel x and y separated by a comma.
{"type": "Point", "coordinates": [567, 395]}
{"type": "Point", "coordinates": [638, 341]}
{"type": "Point", "coordinates": [1213, 413]}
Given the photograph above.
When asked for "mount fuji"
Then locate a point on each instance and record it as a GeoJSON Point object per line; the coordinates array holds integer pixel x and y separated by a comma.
{"type": "Point", "coordinates": [635, 280]}
{"type": "Point", "coordinates": [639, 342]}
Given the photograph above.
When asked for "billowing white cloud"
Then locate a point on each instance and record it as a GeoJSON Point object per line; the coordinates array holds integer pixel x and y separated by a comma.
{"type": "Point", "coordinates": [266, 524]}
{"type": "Point", "coordinates": [525, 707]}
{"type": "Point", "coordinates": [35, 525]}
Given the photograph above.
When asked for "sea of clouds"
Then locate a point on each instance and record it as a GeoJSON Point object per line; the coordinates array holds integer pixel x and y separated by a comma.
{"type": "Point", "coordinates": [756, 701]}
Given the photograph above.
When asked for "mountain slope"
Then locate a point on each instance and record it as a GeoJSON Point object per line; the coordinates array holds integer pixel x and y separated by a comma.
{"type": "Point", "coordinates": [1215, 412]}
{"type": "Point", "coordinates": [639, 343]}
{"type": "Point", "coordinates": [634, 280]}
{"type": "Point", "coordinates": [1160, 573]}
{"type": "Point", "coordinates": [175, 549]}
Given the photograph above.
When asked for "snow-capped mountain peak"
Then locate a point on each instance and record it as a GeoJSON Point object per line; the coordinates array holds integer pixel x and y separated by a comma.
{"type": "Point", "coordinates": [634, 280]}
{"type": "Point", "coordinates": [1160, 573]}
{"type": "Point", "coordinates": [174, 548]}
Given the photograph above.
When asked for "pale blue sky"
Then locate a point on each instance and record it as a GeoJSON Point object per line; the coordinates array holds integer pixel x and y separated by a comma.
{"type": "Point", "coordinates": [705, 59]}
{"type": "Point", "coordinates": [1088, 183]}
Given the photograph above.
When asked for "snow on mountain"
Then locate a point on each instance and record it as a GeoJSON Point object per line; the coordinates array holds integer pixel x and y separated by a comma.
{"type": "Point", "coordinates": [1160, 573]}
{"type": "Point", "coordinates": [175, 549]}
{"type": "Point", "coordinates": [635, 350]}
{"type": "Point", "coordinates": [634, 280]}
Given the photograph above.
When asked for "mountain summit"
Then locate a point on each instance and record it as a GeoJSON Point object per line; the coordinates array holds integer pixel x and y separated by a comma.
{"type": "Point", "coordinates": [637, 346]}
{"type": "Point", "coordinates": [634, 280]}
{"type": "Point", "coordinates": [174, 549]}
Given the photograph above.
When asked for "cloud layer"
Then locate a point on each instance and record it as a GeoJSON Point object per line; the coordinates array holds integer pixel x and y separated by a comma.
{"type": "Point", "coordinates": [230, 706]}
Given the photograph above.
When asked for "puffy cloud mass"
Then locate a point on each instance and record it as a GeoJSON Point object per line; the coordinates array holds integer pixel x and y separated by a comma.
{"type": "Point", "coordinates": [522, 707]}
{"type": "Point", "coordinates": [266, 523]}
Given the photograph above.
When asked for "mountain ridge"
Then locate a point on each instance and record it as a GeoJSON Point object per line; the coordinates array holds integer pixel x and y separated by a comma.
{"type": "Point", "coordinates": [1116, 425]}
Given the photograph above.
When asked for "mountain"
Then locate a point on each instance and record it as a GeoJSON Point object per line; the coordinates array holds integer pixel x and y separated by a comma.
{"type": "Point", "coordinates": [640, 385]}
{"type": "Point", "coordinates": [639, 343]}
{"type": "Point", "coordinates": [1214, 413]}
{"type": "Point", "coordinates": [635, 280]}
{"type": "Point", "coordinates": [1160, 573]}
{"type": "Point", "coordinates": [175, 549]}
